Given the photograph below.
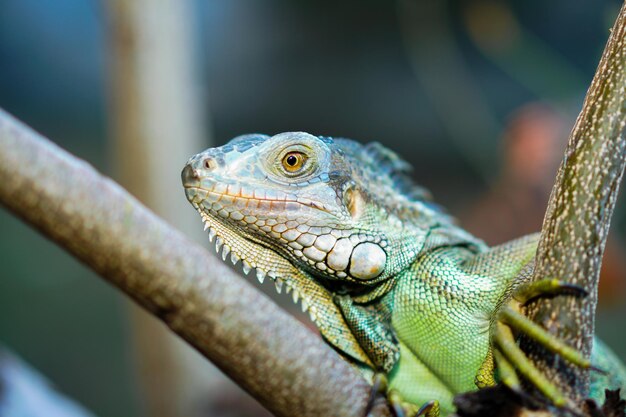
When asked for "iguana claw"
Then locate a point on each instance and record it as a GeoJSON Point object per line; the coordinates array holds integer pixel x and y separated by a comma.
{"type": "Point", "coordinates": [507, 354]}
{"type": "Point", "coordinates": [396, 403]}
{"type": "Point", "coordinates": [379, 386]}
{"type": "Point", "coordinates": [547, 287]}
{"type": "Point", "coordinates": [430, 409]}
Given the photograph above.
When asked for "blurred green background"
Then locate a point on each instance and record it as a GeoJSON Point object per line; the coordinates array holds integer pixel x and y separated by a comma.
{"type": "Point", "coordinates": [443, 83]}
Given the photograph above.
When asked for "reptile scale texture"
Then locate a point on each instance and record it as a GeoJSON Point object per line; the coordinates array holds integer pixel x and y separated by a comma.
{"type": "Point", "coordinates": [392, 282]}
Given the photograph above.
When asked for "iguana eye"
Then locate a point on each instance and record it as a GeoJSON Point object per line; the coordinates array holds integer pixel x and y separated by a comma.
{"type": "Point", "coordinates": [293, 161]}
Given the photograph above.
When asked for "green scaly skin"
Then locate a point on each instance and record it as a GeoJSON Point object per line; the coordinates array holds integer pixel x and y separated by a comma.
{"type": "Point", "coordinates": [389, 279]}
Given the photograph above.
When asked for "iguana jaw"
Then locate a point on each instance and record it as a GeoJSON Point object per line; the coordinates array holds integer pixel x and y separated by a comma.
{"type": "Point", "coordinates": [315, 298]}
{"type": "Point", "coordinates": [256, 257]}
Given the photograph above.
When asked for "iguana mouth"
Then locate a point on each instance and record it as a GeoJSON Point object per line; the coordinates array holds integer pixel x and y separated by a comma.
{"type": "Point", "coordinates": [256, 199]}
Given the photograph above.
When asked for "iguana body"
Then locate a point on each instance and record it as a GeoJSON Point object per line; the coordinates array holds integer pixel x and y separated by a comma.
{"type": "Point", "coordinates": [389, 279]}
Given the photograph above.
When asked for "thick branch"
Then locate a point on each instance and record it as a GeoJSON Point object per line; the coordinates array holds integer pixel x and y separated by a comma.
{"type": "Point", "coordinates": [579, 213]}
{"type": "Point", "coordinates": [270, 354]}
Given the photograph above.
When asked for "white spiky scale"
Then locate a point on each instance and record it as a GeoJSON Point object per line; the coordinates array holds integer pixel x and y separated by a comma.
{"type": "Point", "coordinates": [279, 285]}
{"type": "Point", "coordinates": [212, 234]}
{"type": "Point", "coordinates": [225, 252]}
{"type": "Point", "coordinates": [295, 296]}
{"type": "Point", "coordinates": [206, 226]}
{"type": "Point", "coordinates": [234, 258]}
{"type": "Point", "coordinates": [260, 275]}
{"type": "Point", "coordinates": [305, 305]}
{"type": "Point", "coordinates": [246, 267]}
{"type": "Point", "coordinates": [218, 243]}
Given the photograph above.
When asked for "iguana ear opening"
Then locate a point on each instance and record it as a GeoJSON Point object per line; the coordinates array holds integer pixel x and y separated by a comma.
{"type": "Point", "coordinates": [354, 201]}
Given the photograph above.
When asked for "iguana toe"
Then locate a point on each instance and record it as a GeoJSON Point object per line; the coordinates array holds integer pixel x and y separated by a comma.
{"type": "Point", "coordinates": [547, 287]}
{"type": "Point", "coordinates": [380, 385]}
{"type": "Point", "coordinates": [430, 409]}
{"type": "Point", "coordinates": [511, 360]}
{"type": "Point", "coordinates": [400, 408]}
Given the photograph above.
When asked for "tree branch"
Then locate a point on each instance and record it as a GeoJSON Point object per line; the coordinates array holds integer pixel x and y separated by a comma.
{"type": "Point", "coordinates": [579, 212]}
{"type": "Point", "coordinates": [271, 355]}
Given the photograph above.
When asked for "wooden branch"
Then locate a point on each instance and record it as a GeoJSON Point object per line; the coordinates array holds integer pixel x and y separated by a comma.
{"type": "Point", "coordinates": [579, 212]}
{"type": "Point", "coordinates": [271, 355]}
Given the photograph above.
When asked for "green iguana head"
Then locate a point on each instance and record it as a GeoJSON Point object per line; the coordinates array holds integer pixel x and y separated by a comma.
{"type": "Point", "coordinates": [343, 212]}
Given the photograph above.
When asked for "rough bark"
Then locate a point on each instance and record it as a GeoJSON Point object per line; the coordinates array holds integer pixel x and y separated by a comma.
{"type": "Point", "coordinates": [579, 212]}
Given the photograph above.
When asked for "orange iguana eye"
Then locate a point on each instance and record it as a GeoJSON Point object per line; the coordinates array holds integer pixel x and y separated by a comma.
{"type": "Point", "coordinates": [293, 161]}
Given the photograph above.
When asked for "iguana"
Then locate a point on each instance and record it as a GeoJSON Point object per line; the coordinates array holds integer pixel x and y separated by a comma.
{"type": "Point", "coordinates": [391, 281]}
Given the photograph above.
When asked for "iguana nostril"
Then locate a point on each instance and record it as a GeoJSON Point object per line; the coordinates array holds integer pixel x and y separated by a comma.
{"type": "Point", "coordinates": [189, 175]}
{"type": "Point", "coordinates": [209, 164]}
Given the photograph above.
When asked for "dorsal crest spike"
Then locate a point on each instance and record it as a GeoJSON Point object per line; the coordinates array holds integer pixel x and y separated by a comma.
{"type": "Point", "coordinates": [397, 169]}
{"type": "Point", "coordinates": [386, 159]}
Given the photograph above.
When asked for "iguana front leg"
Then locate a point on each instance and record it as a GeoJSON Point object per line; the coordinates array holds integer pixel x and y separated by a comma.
{"type": "Point", "coordinates": [372, 329]}
{"type": "Point", "coordinates": [373, 332]}
{"type": "Point", "coordinates": [511, 265]}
